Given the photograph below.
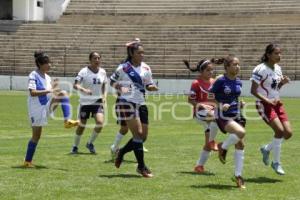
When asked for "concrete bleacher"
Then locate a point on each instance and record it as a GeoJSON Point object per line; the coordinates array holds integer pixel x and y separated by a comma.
{"type": "Point", "coordinates": [187, 33]}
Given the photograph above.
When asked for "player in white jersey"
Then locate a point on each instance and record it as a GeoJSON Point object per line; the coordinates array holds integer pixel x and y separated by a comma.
{"type": "Point", "coordinates": [44, 96]}
{"type": "Point", "coordinates": [91, 83]}
{"type": "Point", "coordinates": [267, 80]}
{"type": "Point", "coordinates": [131, 79]}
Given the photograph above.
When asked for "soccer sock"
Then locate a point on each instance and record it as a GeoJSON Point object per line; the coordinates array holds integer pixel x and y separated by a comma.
{"type": "Point", "coordinates": [117, 141]}
{"type": "Point", "coordinates": [93, 137]}
{"type": "Point", "coordinates": [139, 152]}
{"type": "Point", "coordinates": [30, 150]}
{"type": "Point", "coordinates": [213, 127]}
{"type": "Point", "coordinates": [239, 162]}
{"type": "Point", "coordinates": [127, 148]}
{"type": "Point", "coordinates": [204, 155]}
{"type": "Point", "coordinates": [65, 106]}
{"type": "Point", "coordinates": [276, 149]}
{"type": "Point", "coordinates": [232, 139]}
{"type": "Point", "coordinates": [76, 140]}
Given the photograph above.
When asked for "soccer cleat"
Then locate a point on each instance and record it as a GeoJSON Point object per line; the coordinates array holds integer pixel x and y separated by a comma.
{"type": "Point", "coordinates": [277, 168]}
{"type": "Point", "coordinates": [265, 155]}
{"type": "Point", "coordinates": [119, 159]}
{"type": "Point", "coordinates": [145, 150]}
{"type": "Point", "coordinates": [199, 169]}
{"type": "Point", "coordinates": [91, 148]}
{"type": "Point", "coordinates": [240, 183]}
{"type": "Point", "coordinates": [28, 164]}
{"type": "Point", "coordinates": [213, 145]}
{"type": "Point", "coordinates": [74, 150]}
{"type": "Point", "coordinates": [71, 123]}
{"type": "Point", "coordinates": [145, 172]}
{"type": "Point", "coordinates": [222, 153]}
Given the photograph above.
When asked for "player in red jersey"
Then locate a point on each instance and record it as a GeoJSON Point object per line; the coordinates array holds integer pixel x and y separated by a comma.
{"type": "Point", "coordinates": [203, 103]}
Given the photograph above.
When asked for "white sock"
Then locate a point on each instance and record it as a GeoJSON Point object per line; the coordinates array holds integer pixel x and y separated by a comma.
{"type": "Point", "coordinates": [93, 137]}
{"type": "Point", "coordinates": [239, 162]}
{"type": "Point", "coordinates": [204, 155]}
{"type": "Point", "coordinates": [117, 141]}
{"type": "Point", "coordinates": [213, 127]}
{"type": "Point", "coordinates": [76, 140]}
{"type": "Point", "coordinates": [268, 147]}
{"type": "Point", "coordinates": [276, 149]}
{"type": "Point", "coordinates": [232, 139]}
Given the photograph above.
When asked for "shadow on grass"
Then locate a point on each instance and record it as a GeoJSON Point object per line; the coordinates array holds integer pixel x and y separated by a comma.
{"type": "Point", "coordinates": [81, 153]}
{"type": "Point", "coordinates": [120, 176]}
{"type": "Point", "coordinates": [197, 174]}
{"type": "Point", "coordinates": [124, 161]}
{"type": "Point", "coordinates": [262, 180]}
{"type": "Point", "coordinates": [35, 167]}
{"type": "Point", "coordinates": [214, 186]}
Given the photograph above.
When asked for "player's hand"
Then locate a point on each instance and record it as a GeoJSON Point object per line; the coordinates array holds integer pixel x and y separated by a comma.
{"type": "Point", "coordinates": [124, 90]}
{"type": "Point", "coordinates": [152, 88]}
{"type": "Point", "coordinates": [225, 106]}
{"type": "Point", "coordinates": [87, 91]}
{"type": "Point", "coordinates": [242, 104]}
{"type": "Point", "coordinates": [273, 102]}
{"type": "Point", "coordinates": [285, 80]}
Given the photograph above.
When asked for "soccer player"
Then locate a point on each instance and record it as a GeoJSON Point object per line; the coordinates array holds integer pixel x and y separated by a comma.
{"type": "Point", "coordinates": [130, 79]}
{"type": "Point", "coordinates": [227, 90]}
{"type": "Point", "coordinates": [203, 103]}
{"type": "Point", "coordinates": [44, 97]}
{"type": "Point", "coordinates": [267, 79]}
{"type": "Point", "coordinates": [91, 83]}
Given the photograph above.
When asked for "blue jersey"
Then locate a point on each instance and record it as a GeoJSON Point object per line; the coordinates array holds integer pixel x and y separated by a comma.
{"type": "Point", "coordinates": [227, 91]}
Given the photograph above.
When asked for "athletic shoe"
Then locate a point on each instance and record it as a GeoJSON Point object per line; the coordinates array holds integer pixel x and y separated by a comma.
{"type": "Point", "coordinates": [113, 152]}
{"type": "Point", "coordinates": [145, 150]}
{"type": "Point", "coordinates": [27, 164]}
{"type": "Point", "coordinates": [74, 150]}
{"type": "Point", "coordinates": [239, 182]}
{"type": "Point", "coordinates": [145, 172]}
{"type": "Point", "coordinates": [213, 145]}
{"type": "Point", "coordinates": [277, 168]}
{"type": "Point", "coordinates": [265, 156]}
{"type": "Point", "coordinates": [118, 160]}
{"type": "Point", "coordinates": [71, 123]}
{"type": "Point", "coordinates": [222, 153]}
{"type": "Point", "coordinates": [91, 148]}
{"type": "Point", "coordinates": [199, 169]}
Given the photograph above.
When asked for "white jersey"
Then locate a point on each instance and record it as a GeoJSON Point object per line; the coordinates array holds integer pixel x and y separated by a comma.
{"type": "Point", "coordinates": [92, 81]}
{"type": "Point", "coordinates": [135, 78]}
{"type": "Point", "coordinates": [38, 106]}
{"type": "Point", "coordinates": [267, 79]}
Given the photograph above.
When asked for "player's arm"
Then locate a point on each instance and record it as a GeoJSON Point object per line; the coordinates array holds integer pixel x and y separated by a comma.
{"type": "Point", "coordinates": [284, 80]}
{"type": "Point", "coordinates": [254, 92]}
{"type": "Point", "coordinates": [78, 87]}
{"type": "Point", "coordinates": [152, 87]}
{"type": "Point", "coordinates": [104, 92]}
{"type": "Point", "coordinates": [35, 93]}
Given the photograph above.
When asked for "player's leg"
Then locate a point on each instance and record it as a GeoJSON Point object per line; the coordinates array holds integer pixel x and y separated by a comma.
{"type": "Point", "coordinates": [239, 164]}
{"type": "Point", "coordinates": [99, 121]}
{"type": "Point", "coordinates": [32, 144]}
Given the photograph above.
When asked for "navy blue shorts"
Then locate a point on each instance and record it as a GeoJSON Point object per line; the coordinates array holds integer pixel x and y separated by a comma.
{"type": "Point", "coordinates": [128, 110]}
{"type": "Point", "coordinates": [223, 121]}
{"type": "Point", "coordinates": [86, 111]}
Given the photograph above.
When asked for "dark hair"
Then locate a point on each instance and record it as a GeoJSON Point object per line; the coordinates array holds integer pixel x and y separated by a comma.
{"type": "Point", "coordinates": [226, 60]}
{"type": "Point", "coordinates": [269, 49]}
{"type": "Point", "coordinates": [92, 54]}
{"type": "Point", "coordinates": [41, 58]}
{"type": "Point", "coordinates": [202, 64]}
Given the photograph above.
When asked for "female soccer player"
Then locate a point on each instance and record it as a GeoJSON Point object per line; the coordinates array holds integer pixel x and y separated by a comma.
{"type": "Point", "coordinates": [227, 89]}
{"type": "Point", "coordinates": [203, 103]}
{"type": "Point", "coordinates": [130, 79]}
{"type": "Point", "coordinates": [267, 80]}
{"type": "Point", "coordinates": [91, 82]}
{"type": "Point", "coordinates": [44, 96]}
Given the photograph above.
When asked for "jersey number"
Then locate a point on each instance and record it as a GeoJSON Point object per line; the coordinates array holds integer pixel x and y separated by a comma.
{"type": "Point", "coordinates": [96, 81]}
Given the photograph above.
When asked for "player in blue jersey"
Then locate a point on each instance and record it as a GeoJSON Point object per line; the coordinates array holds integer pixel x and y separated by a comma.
{"type": "Point", "coordinates": [44, 96]}
{"type": "Point", "coordinates": [131, 79]}
{"type": "Point", "coordinates": [227, 89]}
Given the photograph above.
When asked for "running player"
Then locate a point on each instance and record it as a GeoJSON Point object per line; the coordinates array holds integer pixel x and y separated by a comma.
{"type": "Point", "coordinates": [267, 79]}
{"type": "Point", "coordinates": [91, 82]}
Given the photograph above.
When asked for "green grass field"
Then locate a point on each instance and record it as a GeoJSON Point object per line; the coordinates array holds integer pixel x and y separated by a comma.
{"type": "Point", "coordinates": [173, 145]}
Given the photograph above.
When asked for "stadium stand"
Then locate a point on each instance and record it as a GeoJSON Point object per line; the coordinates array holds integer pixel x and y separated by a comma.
{"type": "Point", "coordinates": [171, 30]}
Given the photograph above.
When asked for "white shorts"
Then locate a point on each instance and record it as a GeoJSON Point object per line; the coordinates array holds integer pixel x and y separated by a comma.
{"type": "Point", "coordinates": [38, 115]}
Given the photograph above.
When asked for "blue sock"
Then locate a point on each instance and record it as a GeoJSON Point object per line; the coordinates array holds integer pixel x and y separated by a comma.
{"type": "Point", "coordinates": [30, 151]}
{"type": "Point", "coordinates": [65, 106]}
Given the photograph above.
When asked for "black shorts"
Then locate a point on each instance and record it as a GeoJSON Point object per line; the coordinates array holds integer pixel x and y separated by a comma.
{"type": "Point", "coordinates": [128, 110]}
{"type": "Point", "coordinates": [85, 111]}
{"type": "Point", "coordinates": [222, 122]}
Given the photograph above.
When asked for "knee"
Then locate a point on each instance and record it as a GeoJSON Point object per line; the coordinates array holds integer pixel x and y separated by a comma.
{"type": "Point", "coordinates": [287, 134]}
{"type": "Point", "coordinates": [63, 93]}
{"type": "Point", "coordinates": [240, 145]}
{"type": "Point", "coordinates": [241, 133]}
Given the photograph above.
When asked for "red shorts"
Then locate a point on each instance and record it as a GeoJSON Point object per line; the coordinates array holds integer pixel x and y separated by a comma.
{"type": "Point", "coordinates": [269, 112]}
